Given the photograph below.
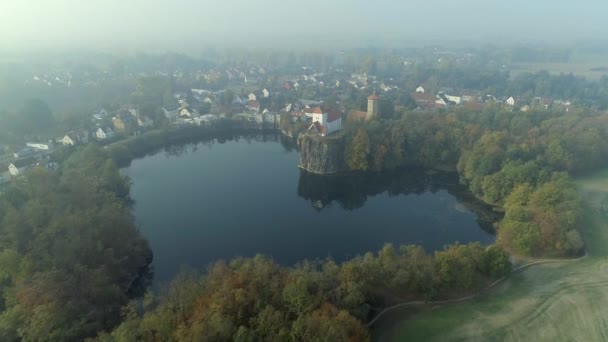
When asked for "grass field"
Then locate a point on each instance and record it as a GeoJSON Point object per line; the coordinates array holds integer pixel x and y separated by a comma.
{"type": "Point", "coordinates": [566, 301]}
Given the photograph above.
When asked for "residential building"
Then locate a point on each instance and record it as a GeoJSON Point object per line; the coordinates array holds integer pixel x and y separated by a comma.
{"type": "Point", "coordinates": [17, 167]}
{"type": "Point", "coordinates": [253, 105]}
{"type": "Point", "coordinates": [420, 90]}
{"type": "Point", "coordinates": [325, 122]}
{"type": "Point", "coordinates": [124, 123]}
{"type": "Point", "coordinates": [511, 101]}
{"type": "Point", "coordinates": [40, 146]}
{"type": "Point", "coordinates": [70, 139]}
{"type": "Point", "coordinates": [104, 133]}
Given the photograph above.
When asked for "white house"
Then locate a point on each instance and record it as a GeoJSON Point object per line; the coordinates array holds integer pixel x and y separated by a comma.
{"type": "Point", "coordinates": [511, 101]}
{"type": "Point", "coordinates": [18, 166]}
{"type": "Point", "coordinates": [39, 146]}
{"type": "Point", "coordinates": [103, 134]}
{"type": "Point", "coordinates": [266, 93]}
{"type": "Point", "coordinates": [420, 90]}
{"type": "Point", "coordinates": [453, 98]}
{"type": "Point", "coordinates": [70, 139]}
{"type": "Point", "coordinates": [325, 122]}
{"type": "Point", "coordinates": [252, 97]}
{"type": "Point", "coordinates": [190, 113]}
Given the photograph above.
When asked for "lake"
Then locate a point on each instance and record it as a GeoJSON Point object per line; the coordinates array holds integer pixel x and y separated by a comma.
{"type": "Point", "coordinates": [201, 202]}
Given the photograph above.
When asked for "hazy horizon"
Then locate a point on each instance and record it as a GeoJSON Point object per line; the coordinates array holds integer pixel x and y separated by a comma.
{"type": "Point", "coordinates": [186, 25]}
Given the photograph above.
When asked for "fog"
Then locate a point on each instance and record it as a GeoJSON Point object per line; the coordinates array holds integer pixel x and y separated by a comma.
{"type": "Point", "coordinates": [186, 24]}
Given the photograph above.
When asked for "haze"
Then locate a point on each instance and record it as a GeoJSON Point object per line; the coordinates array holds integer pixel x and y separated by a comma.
{"type": "Point", "coordinates": [185, 24]}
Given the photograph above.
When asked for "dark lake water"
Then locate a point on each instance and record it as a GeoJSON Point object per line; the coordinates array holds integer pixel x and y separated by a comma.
{"type": "Point", "coordinates": [202, 202]}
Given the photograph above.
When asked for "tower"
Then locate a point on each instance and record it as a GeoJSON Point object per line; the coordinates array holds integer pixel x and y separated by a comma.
{"type": "Point", "coordinates": [373, 106]}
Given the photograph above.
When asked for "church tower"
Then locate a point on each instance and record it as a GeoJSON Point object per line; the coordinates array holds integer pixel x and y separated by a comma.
{"type": "Point", "coordinates": [373, 106]}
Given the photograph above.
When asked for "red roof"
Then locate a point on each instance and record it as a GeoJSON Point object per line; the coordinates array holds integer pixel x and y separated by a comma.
{"type": "Point", "coordinates": [315, 110]}
{"type": "Point", "coordinates": [253, 104]}
{"type": "Point", "coordinates": [422, 97]}
{"type": "Point", "coordinates": [333, 116]}
{"type": "Point", "coordinates": [473, 105]}
{"type": "Point", "coordinates": [357, 115]}
{"type": "Point", "coordinates": [374, 97]}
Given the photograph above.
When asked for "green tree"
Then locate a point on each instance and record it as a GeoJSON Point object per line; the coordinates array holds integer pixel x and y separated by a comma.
{"type": "Point", "coordinates": [358, 151]}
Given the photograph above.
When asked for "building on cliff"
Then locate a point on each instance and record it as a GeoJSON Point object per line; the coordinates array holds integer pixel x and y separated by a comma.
{"type": "Point", "coordinates": [373, 110]}
{"type": "Point", "coordinates": [325, 122]}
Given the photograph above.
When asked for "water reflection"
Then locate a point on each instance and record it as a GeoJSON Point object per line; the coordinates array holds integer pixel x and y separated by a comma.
{"type": "Point", "coordinates": [351, 191]}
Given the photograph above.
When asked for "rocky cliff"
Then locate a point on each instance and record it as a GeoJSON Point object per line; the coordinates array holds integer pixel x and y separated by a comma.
{"type": "Point", "coordinates": [322, 155]}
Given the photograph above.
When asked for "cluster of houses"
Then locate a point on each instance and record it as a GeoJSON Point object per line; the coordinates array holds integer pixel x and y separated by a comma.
{"type": "Point", "coordinates": [471, 100]}
{"type": "Point", "coordinates": [33, 154]}
{"type": "Point", "coordinates": [125, 121]}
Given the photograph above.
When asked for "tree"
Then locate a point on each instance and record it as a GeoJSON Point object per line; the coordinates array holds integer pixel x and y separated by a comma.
{"type": "Point", "coordinates": [358, 151]}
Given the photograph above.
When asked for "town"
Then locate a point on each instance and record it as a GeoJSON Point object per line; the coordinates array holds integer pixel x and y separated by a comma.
{"type": "Point", "coordinates": [307, 95]}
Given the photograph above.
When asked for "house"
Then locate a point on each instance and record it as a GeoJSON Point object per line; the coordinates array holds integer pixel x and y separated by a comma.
{"type": "Point", "coordinates": [70, 139]}
{"type": "Point", "coordinates": [103, 134]}
{"type": "Point", "coordinates": [423, 99]}
{"type": "Point", "coordinates": [420, 90]}
{"type": "Point", "coordinates": [266, 93]}
{"type": "Point", "coordinates": [252, 97]}
{"type": "Point", "coordinates": [40, 146]}
{"type": "Point", "coordinates": [325, 122]}
{"type": "Point", "coordinates": [442, 100]}
{"type": "Point", "coordinates": [454, 99]}
{"type": "Point", "coordinates": [188, 113]}
{"type": "Point", "coordinates": [287, 86]}
{"type": "Point", "coordinates": [123, 123]}
{"type": "Point", "coordinates": [253, 105]}
{"type": "Point", "coordinates": [511, 101]}
{"type": "Point", "coordinates": [18, 166]}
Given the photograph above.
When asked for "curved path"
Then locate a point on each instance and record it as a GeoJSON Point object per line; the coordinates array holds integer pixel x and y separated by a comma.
{"type": "Point", "coordinates": [449, 301]}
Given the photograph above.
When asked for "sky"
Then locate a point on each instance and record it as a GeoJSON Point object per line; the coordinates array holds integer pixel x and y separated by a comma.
{"type": "Point", "coordinates": [182, 24]}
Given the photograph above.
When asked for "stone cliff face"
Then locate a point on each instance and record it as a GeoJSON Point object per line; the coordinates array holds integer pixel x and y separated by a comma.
{"type": "Point", "coordinates": [321, 155]}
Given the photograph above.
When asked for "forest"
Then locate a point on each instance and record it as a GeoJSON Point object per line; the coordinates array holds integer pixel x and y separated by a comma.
{"type": "Point", "coordinates": [518, 161]}
{"type": "Point", "coordinates": [70, 254]}
{"type": "Point", "coordinates": [255, 299]}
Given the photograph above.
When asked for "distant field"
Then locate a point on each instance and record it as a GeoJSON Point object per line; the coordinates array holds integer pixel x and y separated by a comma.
{"type": "Point", "coordinates": [565, 301]}
{"type": "Point", "coordinates": [592, 70]}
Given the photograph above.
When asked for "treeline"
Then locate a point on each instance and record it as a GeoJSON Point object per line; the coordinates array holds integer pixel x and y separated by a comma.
{"type": "Point", "coordinates": [255, 299]}
{"type": "Point", "coordinates": [124, 151]}
{"type": "Point", "coordinates": [496, 152]}
{"type": "Point", "coordinates": [70, 254]}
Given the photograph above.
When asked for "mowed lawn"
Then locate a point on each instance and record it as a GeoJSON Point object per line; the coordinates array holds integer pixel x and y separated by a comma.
{"type": "Point", "coordinates": [565, 301]}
